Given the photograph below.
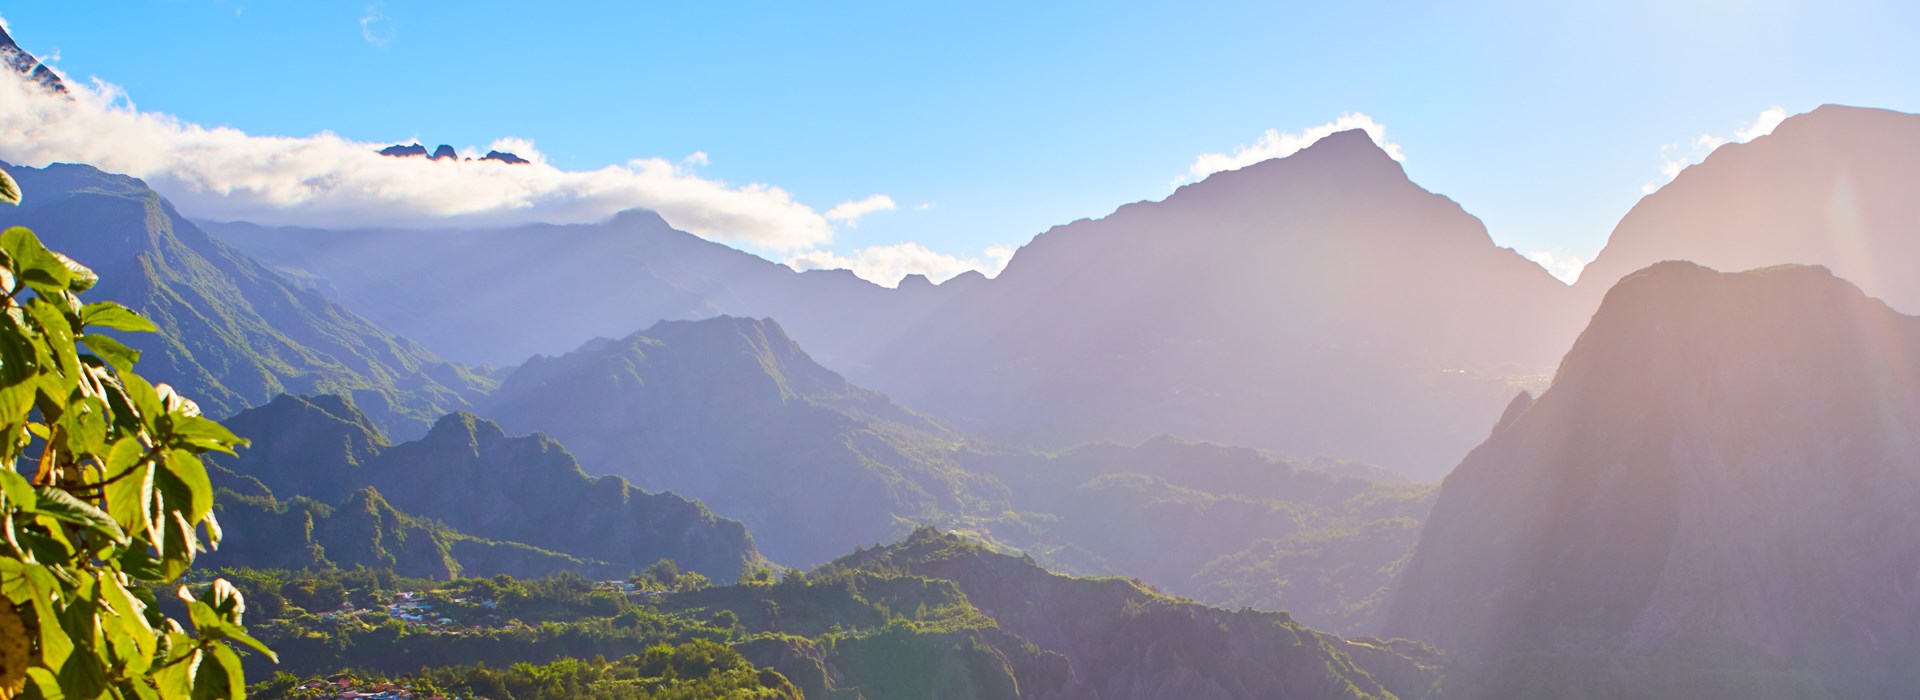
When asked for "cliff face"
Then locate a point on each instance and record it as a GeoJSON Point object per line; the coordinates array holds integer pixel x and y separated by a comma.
{"type": "Point", "coordinates": [1721, 475]}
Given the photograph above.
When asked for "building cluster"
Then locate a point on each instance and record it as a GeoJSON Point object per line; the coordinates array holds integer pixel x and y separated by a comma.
{"type": "Point", "coordinates": [352, 689]}
{"type": "Point", "coordinates": [412, 608]}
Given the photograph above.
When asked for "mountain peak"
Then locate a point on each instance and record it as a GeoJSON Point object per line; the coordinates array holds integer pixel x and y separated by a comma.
{"type": "Point", "coordinates": [25, 64]}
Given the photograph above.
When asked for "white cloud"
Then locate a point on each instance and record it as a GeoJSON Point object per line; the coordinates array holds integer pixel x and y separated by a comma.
{"type": "Point", "coordinates": [850, 211]}
{"type": "Point", "coordinates": [375, 28]}
{"type": "Point", "coordinates": [1675, 157]}
{"type": "Point", "coordinates": [328, 181]}
{"type": "Point", "coordinates": [886, 265]}
{"type": "Point", "coordinates": [696, 159]}
{"type": "Point", "coordinates": [1275, 144]}
{"type": "Point", "coordinates": [1564, 266]}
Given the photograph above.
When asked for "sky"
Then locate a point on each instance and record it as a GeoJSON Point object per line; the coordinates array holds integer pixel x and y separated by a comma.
{"type": "Point", "coordinates": [930, 136]}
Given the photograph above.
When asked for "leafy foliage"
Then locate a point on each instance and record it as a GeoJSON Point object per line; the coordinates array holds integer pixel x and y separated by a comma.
{"type": "Point", "coordinates": [118, 502]}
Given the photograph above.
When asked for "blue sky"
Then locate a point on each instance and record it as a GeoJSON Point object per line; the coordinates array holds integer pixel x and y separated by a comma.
{"type": "Point", "coordinates": [1005, 119]}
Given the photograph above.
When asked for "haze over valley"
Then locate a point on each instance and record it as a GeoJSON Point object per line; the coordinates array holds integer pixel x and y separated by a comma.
{"type": "Point", "coordinates": [388, 418]}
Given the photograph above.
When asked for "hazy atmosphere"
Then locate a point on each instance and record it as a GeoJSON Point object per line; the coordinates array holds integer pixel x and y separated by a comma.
{"type": "Point", "coordinates": [1080, 352]}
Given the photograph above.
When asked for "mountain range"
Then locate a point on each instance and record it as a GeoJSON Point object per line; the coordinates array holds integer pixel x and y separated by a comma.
{"type": "Point", "coordinates": [1330, 279]}
{"type": "Point", "coordinates": [233, 334]}
{"type": "Point", "coordinates": [468, 477]}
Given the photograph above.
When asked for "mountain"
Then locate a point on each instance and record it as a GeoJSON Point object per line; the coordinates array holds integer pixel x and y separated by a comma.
{"type": "Point", "coordinates": [25, 64]}
{"type": "Point", "coordinates": [1709, 501]}
{"type": "Point", "coordinates": [455, 289]}
{"type": "Point", "coordinates": [469, 476]}
{"type": "Point", "coordinates": [1123, 640]}
{"type": "Point", "coordinates": [1273, 306]}
{"type": "Point", "coordinates": [733, 412]}
{"type": "Point", "coordinates": [931, 617]}
{"type": "Point", "coordinates": [366, 531]}
{"type": "Point", "coordinates": [1830, 187]}
{"type": "Point", "coordinates": [232, 334]}
{"type": "Point", "coordinates": [1320, 303]}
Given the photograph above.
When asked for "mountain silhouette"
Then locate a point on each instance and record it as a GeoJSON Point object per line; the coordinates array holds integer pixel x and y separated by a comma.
{"type": "Point", "coordinates": [1831, 187]}
{"type": "Point", "coordinates": [1712, 492]}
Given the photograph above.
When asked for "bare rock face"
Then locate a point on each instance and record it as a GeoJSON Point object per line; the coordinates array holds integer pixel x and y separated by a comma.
{"type": "Point", "coordinates": [1716, 495]}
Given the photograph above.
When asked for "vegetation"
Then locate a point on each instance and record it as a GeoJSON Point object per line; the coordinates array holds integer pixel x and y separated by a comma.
{"type": "Point", "coordinates": [118, 503]}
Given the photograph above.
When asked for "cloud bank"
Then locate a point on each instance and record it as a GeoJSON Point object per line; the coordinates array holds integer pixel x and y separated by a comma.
{"type": "Point", "coordinates": [1275, 144]}
{"type": "Point", "coordinates": [886, 265]}
{"type": "Point", "coordinates": [1675, 157]}
{"type": "Point", "coordinates": [328, 181]}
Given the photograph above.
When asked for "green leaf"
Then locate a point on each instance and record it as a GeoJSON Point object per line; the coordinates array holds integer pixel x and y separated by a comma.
{"type": "Point", "coordinates": [240, 635]}
{"type": "Point", "coordinates": [116, 354]}
{"type": "Point", "coordinates": [34, 264]}
{"type": "Point", "coordinates": [140, 564]}
{"type": "Point", "coordinates": [130, 497]}
{"type": "Point", "coordinates": [178, 545]}
{"type": "Point", "coordinates": [183, 662]}
{"type": "Point", "coordinates": [184, 487]}
{"type": "Point", "coordinates": [126, 620]}
{"type": "Point", "coordinates": [64, 507]}
{"type": "Point", "coordinates": [55, 646]}
{"type": "Point", "coordinates": [9, 190]}
{"type": "Point", "coordinates": [145, 399]}
{"type": "Point", "coordinates": [85, 425]}
{"type": "Point", "coordinates": [18, 491]}
{"type": "Point", "coordinates": [230, 685]}
{"type": "Point", "coordinates": [80, 278]}
{"type": "Point", "coordinates": [83, 676]}
{"type": "Point", "coordinates": [107, 314]}
{"type": "Point", "coordinates": [45, 682]}
{"type": "Point", "coordinates": [58, 344]}
{"type": "Point", "coordinates": [206, 434]}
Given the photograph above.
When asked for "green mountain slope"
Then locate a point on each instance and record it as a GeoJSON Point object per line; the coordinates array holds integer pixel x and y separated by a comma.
{"type": "Point", "coordinates": [732, 412]}
{"type": "Point", "coordinates": [933, 617]}
{"type": "Point", "coordinates": [366, 531]}
{"type": "Point", "coordinates": [232, 333]}
{"type": "Point", "coordinates": [468, 476]}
